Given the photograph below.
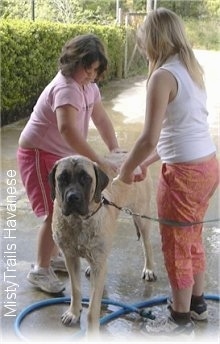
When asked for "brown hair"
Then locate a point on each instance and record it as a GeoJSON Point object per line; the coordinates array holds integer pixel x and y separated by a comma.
{"type": "Point", "coordinates": [83, 50]}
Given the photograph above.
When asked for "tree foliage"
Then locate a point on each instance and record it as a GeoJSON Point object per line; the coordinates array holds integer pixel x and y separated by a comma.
{"type": "Point", "coordinates": [193, 9]}
{"type": "Point", "coordinates": [64, 11]}
{"type": "Point", "coordinates": [98, 11]}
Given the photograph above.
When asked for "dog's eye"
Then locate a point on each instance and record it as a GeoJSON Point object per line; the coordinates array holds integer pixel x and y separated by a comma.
{"type": "Point", "coordinates": [85, 179]}
{"type": "Point", "coordinates": [63, 178]}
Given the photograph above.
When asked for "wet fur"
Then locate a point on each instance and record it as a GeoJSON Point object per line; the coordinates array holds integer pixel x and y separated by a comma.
{"type": "Point", "coordinates": [77, 185]}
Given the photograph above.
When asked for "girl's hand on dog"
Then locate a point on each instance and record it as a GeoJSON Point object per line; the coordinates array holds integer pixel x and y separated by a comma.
{"type": "Point", "coordinates": [107, 165]}
{"type": "Point", "coordinates": [140, 173]}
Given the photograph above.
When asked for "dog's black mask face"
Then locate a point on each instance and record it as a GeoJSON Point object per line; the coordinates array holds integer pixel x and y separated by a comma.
{"type": "Point", "coordinates": [72, 183]}
{"type": "Point", "coordinates": [75, 192]}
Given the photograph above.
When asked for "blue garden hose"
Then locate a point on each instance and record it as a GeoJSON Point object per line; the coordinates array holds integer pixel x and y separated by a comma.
{"type": "Point", "coordinates": [125, 309]}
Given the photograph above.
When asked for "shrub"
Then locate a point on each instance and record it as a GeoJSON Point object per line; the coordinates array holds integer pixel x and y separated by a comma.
{"type": "Point", "coordinates": [30, 52]}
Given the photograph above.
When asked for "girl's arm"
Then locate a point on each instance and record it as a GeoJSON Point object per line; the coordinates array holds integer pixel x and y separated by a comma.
{"type": "Point", "coordinates": [161, 89]}
{"type": "Point", "coordinates": [66, 121]}
{"type": "Point", "coordinates": [138, 177]}
{"type": "Point", "coordinates": [150, 160]}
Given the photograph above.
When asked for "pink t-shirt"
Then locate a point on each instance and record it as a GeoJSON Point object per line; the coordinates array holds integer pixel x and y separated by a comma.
{"type": "Point", "coordinates": [41, 129]}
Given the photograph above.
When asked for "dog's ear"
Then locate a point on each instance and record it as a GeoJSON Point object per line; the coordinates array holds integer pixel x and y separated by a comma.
{"type": "Point", "coordinates": [52, 181]}
{"type": "Point", "coordinates": [101, 182]}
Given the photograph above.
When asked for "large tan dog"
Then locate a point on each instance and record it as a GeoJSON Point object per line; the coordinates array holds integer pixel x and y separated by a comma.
{"type": "Point", "coordinates": [139, 202]}
{"type": "Point", "coordinates": [83, 226]}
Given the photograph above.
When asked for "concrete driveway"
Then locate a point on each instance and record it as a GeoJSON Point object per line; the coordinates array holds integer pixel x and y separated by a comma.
{"type": "Point", "coordinates": [124, 101]}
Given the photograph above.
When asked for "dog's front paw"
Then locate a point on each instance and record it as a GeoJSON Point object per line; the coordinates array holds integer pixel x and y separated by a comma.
{"type": "Point", "coordinates": [148, 275]}
{"type": "Point", "coordinates": [69, 319]}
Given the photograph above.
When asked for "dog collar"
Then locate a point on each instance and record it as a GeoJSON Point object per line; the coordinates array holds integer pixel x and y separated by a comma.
{"type": "Point", "coordinates": [96, 210]}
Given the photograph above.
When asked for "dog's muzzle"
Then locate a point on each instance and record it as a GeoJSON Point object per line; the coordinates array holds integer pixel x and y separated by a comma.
{"type": "Point", "coordinates": [74, 203]}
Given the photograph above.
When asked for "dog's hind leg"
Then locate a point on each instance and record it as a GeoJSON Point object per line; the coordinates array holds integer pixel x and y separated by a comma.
{"type": "Point", "coordinates": [143, 228]}
{"type": "Point", "coordinates": [72, 315]}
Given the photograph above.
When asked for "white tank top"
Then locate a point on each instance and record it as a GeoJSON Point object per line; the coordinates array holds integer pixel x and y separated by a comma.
{"type": "Point", "coordinates": [185, 133]}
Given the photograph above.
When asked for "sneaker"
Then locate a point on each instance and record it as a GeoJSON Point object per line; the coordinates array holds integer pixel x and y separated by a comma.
{"type": "Point", "coordinates": [45, 279]}
{"type": "Point", "coordinates": [168, 327]}
{"type": "Point", "coordinates": [198, 312]}
{"type": "Point", "coordinates": [58, 264]}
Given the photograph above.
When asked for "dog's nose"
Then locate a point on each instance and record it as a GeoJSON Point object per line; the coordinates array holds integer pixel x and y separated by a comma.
{"type": "Point", "coordinates": [73, 196]}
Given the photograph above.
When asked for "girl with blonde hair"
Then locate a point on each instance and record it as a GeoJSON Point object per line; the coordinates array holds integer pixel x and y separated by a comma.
{"type": "Point", "coordinates": [176, 132]}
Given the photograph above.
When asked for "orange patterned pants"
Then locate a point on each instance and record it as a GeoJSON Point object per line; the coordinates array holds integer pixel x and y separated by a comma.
{"type": "Point", "coordinates": [183, 194]}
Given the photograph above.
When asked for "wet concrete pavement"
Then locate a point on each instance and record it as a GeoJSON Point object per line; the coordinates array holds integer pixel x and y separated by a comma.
{"type": "Point", "coordinates": [124, 101]}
